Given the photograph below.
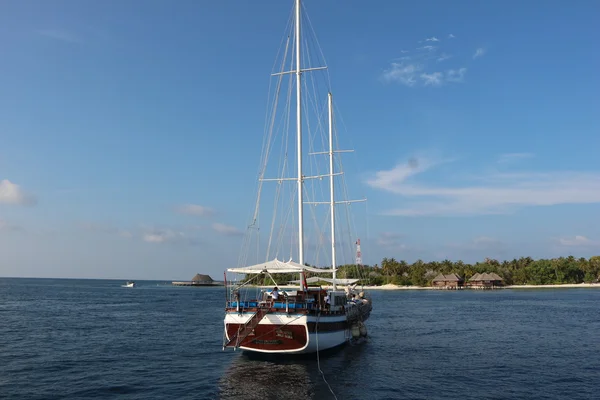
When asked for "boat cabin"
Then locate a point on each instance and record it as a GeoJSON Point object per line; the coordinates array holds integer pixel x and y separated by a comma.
{"type": "Point", "coordinates": [313, 299]}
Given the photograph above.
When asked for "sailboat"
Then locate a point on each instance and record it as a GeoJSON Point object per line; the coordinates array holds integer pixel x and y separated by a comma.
{"type": "Point", "coordinates": [306, 318]}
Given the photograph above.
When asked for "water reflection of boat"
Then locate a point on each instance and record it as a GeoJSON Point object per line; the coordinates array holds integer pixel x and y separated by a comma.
{"type": "Point", "coordinates": [262, 376]}
{"type": "Point", "coordinates": [266, 380]}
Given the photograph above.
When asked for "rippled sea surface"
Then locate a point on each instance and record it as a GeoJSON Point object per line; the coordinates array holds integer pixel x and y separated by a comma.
{"type": "Point", "coordinates": [83, 339]}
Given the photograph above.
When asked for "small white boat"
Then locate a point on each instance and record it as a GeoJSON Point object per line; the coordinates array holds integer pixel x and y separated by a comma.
{"type": "Point", "coordinates": [129, 284]}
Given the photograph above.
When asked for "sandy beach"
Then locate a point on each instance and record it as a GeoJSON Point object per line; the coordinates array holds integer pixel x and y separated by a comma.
{"type": "Point", "coordinates": [391, 286]}
{"type": "Point", "coordinates": [561, 286]}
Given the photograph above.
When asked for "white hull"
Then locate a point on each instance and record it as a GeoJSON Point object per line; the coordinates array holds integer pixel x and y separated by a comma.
{"type": "Point", "coordinates": [315, 341]}
{"type": "Point", "coordinates": [324, 341]}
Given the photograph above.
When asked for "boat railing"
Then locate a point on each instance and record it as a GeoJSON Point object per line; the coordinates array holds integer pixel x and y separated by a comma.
{"type": "Point", "coordinates": [278, 304]}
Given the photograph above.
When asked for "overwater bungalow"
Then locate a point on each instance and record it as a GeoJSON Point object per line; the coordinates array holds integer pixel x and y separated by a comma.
{"type": "Point", "coordinates": [199, 280]}
{"type": "Point", "coordinates": [487, 280]}
{"type": "Point", "coordinates": [451, 281]}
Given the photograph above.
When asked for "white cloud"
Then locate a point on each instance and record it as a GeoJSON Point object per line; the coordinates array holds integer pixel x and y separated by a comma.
{"type": "Point", "coordinates": [146, 234]}
{"type": "Point", "coordinates": [433, 79]}
{"type": "Point", "coordinates": [421, 67]}
{"type": "Point", "coordinates": [226, 229]}
{"type": "Point", "coordinates": [195, 209]}
{"type": "Point", "coordinates": [579, 241]}
{"type": "Point", "coordinates": [11, 193]}
{"type": "Point", "coordinates": [493, 193]}
{"type": "Point", "coordinates": [155, 237]}
{"type": "Point", "coordinates": [510, 157]}
{"type": "Point", "coordinates": [163, 236]}
{"type": "Point", "coordinates": [443, 57]}
{"type": "Point", "coordinates": [402, 171]}
{"type": "Point", "coordinates": [479, 52]}
{"type": "Point", "coordinates": [409, 74]}
{"type": "Point", "coordinates": [456, 75]}
{"type": "Point", "coordinates": [406, 74]}
{"type": "Point", "coordinates": [60, 35]}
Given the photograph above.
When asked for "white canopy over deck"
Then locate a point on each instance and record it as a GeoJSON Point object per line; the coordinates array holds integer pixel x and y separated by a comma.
{"type": "Point", "coordinates": [279, 267]}
{"type": "Point", "coordinates": [338, 281]}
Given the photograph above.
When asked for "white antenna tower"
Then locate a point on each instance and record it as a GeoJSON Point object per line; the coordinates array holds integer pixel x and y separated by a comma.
{"type": "Point", "coordinates": [358, 253]}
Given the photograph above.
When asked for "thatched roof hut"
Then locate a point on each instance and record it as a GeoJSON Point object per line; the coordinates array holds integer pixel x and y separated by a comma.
{"type": "Point", "coordinates": [199, 278]}
{"type": "Point", "coordinates": [447, 278]}
{"type": "Point", "coordinates": [450, 280]}
{"type": "Point", "coordinates": [486, 276]}
{"type": "Point", "coordinates": [487, 279]}
{"type": "Point", "coordinates": [475, 277]}
{"type": "Point", "coordinates": [494, 276]}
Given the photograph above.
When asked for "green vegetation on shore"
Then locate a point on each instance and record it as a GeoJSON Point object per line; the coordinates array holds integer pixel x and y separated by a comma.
{"type": "Point", "coordinates": [522, 271]}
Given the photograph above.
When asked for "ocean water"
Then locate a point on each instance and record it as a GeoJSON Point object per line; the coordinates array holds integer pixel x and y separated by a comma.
{"type": "Point", "coordinates": [85, 339]}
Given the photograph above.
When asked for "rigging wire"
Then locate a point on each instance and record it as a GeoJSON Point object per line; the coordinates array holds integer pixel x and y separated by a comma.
{"type": "Point", "coordinates": [254, 224]}
{"type": "Point", "coordinates": [272, 123]}
{"type": "Point", "coordinates": [318, 358]}
{"type": "Point", "coordinates": [317, 45]}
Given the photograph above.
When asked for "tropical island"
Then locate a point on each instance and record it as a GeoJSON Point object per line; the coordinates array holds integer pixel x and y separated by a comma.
{"type": "Point", "coordinates": [523, 271]}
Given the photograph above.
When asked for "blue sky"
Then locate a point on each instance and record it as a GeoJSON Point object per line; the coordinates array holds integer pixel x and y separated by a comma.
{"type": "Point", "coordinates": [131, 131]}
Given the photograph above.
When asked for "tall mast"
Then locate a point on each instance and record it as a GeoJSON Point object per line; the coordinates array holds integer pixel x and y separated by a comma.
{"type": "Point", "coordinates": [331, 185]}
{"type": "Point", "coordinates": [299, 139]}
